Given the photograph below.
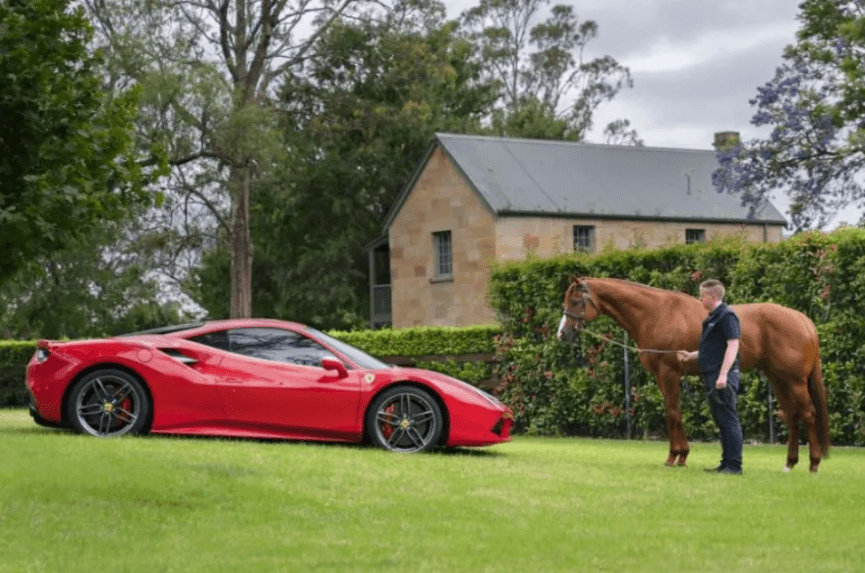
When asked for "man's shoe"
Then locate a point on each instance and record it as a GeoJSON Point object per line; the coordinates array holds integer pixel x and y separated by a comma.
{"type": "Point", "coordinates": [720, 468]}
{"type": "Point", "coordinates": [731, 471]}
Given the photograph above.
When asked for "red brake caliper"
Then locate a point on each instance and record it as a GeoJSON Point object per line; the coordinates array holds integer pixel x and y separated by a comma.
{"type": "Point", "coordinates": [123, 417]}
{"type": "Point", "coordinates": [387, 429]}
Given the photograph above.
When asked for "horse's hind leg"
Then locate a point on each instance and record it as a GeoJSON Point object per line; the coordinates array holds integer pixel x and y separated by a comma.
{"type": "Point", "coordinates": [798, 407]}
{"type": "Point", "coordinates": [790, 414]}
{"type": "Point", "coordinates": [808, 416]}
{"type": "Point", "coordinates": [792, 441]}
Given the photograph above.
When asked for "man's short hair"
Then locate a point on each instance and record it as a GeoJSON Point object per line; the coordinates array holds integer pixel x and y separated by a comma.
{"type": "Point", "coordinates": [714, 286]}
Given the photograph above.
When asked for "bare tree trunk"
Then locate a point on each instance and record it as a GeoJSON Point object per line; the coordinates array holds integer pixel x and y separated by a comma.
{"type": "Point", "coordinates": [241, 245]}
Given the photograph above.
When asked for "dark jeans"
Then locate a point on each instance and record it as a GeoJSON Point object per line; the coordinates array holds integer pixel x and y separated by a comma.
{"type": "Point", "coordinates": [722, 403]}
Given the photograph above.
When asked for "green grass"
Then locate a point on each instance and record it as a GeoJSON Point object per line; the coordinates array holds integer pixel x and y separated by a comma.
{"type": "Point", "coordinates": [71, 503]}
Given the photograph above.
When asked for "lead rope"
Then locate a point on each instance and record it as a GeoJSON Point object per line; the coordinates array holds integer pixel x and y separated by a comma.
{"type": "Point", "coordinates": [681, 369]}
{"type": "Point", "coordinates": [631, 348]}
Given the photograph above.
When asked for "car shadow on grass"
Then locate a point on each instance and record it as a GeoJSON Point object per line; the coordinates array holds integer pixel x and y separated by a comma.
{"type": "Point", "coordinates": [360, 446]}
{"type": "Point", "coordinates": [34, 429]}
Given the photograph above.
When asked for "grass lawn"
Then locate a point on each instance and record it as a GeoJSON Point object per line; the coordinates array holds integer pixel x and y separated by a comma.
{"type": "Point", "coordinates": [71, 503]}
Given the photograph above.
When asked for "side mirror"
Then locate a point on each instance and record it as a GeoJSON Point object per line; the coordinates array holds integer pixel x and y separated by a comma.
{"type": "Point", "coordinates": [330, 363]}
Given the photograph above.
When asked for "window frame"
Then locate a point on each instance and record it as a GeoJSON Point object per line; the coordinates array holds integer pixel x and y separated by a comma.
{"type": "Point", "coordinates": [700, 236]}
{"type": "Point", "coordinates": [292, 335]}
{"type": "Point", "coordinates": [443, 257]}
{"type": "Point", "coordinates": [590, 235]}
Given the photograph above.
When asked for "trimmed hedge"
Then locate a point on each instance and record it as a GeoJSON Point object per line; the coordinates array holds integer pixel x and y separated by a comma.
{"type": "Point", "coordinates": [423, 340]}
{"type": "Point", "coordinates": [452, 347]}
{"type": "Point", "coordinates": [557, 389]}
{"type": "Point", "coordinates": [416, 344]}
{"type": "Point", "coordinates": [14, 356]}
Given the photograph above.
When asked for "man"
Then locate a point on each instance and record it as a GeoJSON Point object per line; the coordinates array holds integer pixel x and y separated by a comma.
{"type": "Point", "coordinates": [718, 360]}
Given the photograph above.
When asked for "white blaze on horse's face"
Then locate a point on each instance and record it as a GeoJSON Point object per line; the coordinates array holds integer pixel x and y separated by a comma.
{"type": "Point", "coordinates": [567, 332]}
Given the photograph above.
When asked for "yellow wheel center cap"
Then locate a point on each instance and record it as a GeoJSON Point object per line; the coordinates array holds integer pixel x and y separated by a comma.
{"type": "Point", "coordinates": [405, 423]}
{"type": "Point", "coordinates": [109, 407]}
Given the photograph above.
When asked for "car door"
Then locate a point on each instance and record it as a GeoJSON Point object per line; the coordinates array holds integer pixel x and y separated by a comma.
{"type": "Point", "coordinates": [272, 378]}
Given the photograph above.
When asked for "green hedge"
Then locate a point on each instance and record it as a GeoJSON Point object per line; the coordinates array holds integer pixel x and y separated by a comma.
{"type": "Point", "coordinates": [420, 341]}
{"type": "Point", "coordinates": [560, 389]}
{"type": "Point", "coordinates": [412, 343]}
{"type": "Point", "coordinates": [450, 343]}
{"type": "Point", "coordinates": [14, 356]}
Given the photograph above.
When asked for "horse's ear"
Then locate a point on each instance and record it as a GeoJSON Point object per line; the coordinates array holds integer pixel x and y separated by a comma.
{"type": "Point", "coordinates": [576, 280]}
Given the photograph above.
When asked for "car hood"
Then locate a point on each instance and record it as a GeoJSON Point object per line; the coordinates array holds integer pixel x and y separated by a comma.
{"type": "Point", "coordinates": [445, 381]}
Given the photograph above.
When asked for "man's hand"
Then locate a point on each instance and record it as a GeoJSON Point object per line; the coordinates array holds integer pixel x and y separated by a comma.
{"type": "Point", "coordinates": [721, 383]}
{"type": "Point", "coordinates": [684, 355]}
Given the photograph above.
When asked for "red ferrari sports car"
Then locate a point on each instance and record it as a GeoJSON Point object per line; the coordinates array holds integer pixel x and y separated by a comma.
{"type": "Point", "coordinates": [255, 378]}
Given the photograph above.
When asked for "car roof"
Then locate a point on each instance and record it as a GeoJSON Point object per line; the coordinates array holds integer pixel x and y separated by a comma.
{"type": "Point", "coordinates": [166, 329]}
{"type": "Point", "coordinates": [214, 325]}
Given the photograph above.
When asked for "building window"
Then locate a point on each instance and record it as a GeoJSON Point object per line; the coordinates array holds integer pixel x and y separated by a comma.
{"type": "Point", "coordinates": [443, 255]}
{"type": "Point", "coordinates": [695, 236]}
{"type": "Point", "coordinates": [584, 238]}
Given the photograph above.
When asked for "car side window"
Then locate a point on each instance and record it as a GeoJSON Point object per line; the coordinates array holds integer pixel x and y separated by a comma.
{"type": "Point", "coordinates": [277, 345]}
{"type": "Point", "coordinates": [218, 339]}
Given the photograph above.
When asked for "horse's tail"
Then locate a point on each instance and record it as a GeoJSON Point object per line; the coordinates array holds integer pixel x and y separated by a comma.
{"type": "Point", "coordinates": [817, 390]}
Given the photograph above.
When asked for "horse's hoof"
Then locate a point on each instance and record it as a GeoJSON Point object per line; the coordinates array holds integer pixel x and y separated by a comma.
{"type": "Point", "coordinates": [787, 469]}
{"type": "Point", "coordinates": [670, 464]}
{"type": "Point", "coordinates": [681, 465]}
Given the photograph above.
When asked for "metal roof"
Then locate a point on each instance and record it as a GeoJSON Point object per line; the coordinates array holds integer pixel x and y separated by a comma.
{"type": "Point", "coordinates": [559, 178]}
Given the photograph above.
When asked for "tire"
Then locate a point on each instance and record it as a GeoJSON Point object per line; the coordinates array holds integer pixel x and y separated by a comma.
{"type": "Point", "coordinates": [404, 419]}
{"type": "Point", "coordinates": [108, 403]}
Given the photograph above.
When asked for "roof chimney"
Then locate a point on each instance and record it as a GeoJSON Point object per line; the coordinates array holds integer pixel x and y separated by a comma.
{"type": "Point", "coordinates": [726, 140]}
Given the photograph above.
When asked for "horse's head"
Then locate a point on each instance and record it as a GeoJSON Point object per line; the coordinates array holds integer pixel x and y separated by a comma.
{"type": "Point", "coordinates": [580, 308]}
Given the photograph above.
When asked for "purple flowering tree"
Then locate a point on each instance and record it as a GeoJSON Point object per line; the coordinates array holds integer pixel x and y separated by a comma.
{"type": "Point", "coordinates": [815, 107]}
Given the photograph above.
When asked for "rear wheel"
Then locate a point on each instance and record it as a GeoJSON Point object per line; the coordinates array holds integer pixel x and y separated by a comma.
{"type": "Point", "coordinates": [108, 403]}
{"type": "Point", "coordinates": [404, 419]}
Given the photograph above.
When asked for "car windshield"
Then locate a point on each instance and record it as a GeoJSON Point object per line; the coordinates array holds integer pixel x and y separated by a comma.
{"type": "Point", "coordinates": [357, 355]}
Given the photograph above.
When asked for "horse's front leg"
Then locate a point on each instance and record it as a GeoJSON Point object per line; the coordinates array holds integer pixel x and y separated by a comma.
{"type": "Point", "coordinates": [669, 380]}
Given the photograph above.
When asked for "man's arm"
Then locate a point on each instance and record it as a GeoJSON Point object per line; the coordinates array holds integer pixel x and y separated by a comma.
{"type": "Point", "coordinates": [729, 359]}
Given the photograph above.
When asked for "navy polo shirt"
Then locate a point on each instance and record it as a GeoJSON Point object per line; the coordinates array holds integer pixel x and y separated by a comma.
{"type": "Point", "coordinates": [721, 325]}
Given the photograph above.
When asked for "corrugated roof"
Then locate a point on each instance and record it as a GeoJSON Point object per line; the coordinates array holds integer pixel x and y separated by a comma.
{"type": "Point", "coordinates": [523, 176]}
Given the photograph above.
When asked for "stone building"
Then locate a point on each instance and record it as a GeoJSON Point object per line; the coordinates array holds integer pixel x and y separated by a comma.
{"type": "Point", "coordinates": [473, 200]}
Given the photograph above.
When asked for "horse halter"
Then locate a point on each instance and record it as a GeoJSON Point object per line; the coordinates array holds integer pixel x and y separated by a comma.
{"type": "Point", "coordinates": [585, 294]}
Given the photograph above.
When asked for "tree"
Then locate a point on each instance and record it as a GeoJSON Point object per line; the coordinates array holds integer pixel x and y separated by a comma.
{"type": "Point", "coordinates": [359, 117]}
{"type": "Point", "coordinates": [815, 107]}
{"type": "Point", "coordinates": [547, 88]}
{"type": "Point", "coordinates": [67, 161]}
{"type": "Point", "coordinates": [211, 70]}
{"type": "Point", "coordinates": [96, 286]}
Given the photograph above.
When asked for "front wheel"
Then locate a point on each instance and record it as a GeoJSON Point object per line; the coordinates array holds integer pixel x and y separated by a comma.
{"type": "Point", "coordinates": [108, 403]}
{"type": "Point", "coordinates": [405, 419]}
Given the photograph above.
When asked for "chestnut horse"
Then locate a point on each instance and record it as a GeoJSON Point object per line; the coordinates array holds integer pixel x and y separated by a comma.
{"type": "Point", "coordinates": [779, 341]}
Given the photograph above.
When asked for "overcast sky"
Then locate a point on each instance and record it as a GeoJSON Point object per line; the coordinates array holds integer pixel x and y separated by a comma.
{"type": "Point", "coordinates": [695, 65]}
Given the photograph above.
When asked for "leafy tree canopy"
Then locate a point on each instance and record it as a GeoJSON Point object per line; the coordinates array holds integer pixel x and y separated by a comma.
{"type": "Point", "coordinates": [99, 285]}
{"type": "Point", "coordinates": [66, 161]}
{"type": "Point", "coordinates": [815, 107]}
{"type": "Point", "coordinates": [359, 118]}
{"type": "Point", "coordinates": [547, 90]}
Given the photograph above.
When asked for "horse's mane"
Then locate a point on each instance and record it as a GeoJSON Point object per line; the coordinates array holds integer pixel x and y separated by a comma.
{"type": "Point", "coordinates": [636, 284]}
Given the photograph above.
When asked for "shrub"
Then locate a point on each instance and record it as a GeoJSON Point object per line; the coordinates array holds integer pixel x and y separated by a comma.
{"type": "Point", "coordinates": [557, 389]}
